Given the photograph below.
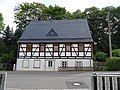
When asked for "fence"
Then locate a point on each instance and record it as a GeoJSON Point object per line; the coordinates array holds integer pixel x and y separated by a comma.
{"type": "Point", "coordinates": [105, 81]}
{"type": "Point", "coordinates": [6, 66]}
{"type": "Point", "coordinates": [75, 68]}
{"type": "Point", "coordinates": [3, 77]}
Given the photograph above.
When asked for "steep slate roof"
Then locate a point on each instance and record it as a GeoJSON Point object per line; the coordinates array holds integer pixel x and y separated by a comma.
{"type": "Point", "coordinates": [57, 31]}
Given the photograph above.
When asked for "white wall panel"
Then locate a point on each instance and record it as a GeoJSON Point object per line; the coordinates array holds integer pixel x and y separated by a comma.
{"type": "Point", "coordinates": [35, 45]}
{"type": "Point", "coordinates": [81, 54]}
{"type": "Point", "coordinates": [75, 45]}
{"type": "Point", "coordinates": [35, 54]}
{"type": "Point", "coordinates": [23, 45]}
{"type": "Point", "coordinates": [74, 54]}
{"type": "Point", "coordinates": [86, 45]}
{"type": "Point", "coordinates": [68, 54]}
{"type": "Point", "coordinates": [28, 53]}
{"type": "Point", "coordinates": [21, 54]}
{"type": "Point", "coordinates": [41, 53]}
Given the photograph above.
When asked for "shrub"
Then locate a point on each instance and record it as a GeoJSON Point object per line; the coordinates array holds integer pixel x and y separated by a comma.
{"type": "Point", "coordinates": [113, 64]}
{"type": "Point", "coordinates": [100, 57]}
{"type": "Point", "coordinates": [5, 58]}
{"type": "Point", "coordinates": [116, 52]}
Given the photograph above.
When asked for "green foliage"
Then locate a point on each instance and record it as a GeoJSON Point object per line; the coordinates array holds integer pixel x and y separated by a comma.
{"type": "Point", "coordinates": [116, 52]}
{"type": "Point", "coordinates": [5, 58]}
{"type": "Point", "coordinates": [1, 23]}
{"type": "Point", "coordinates": [100, 56]}
{"type": "Point", "coordinates": [7, 35]}
{"type": "Point", "coordinates": [113, 64]}
{"type": "Point", "coordinates": [26, 12]}
{"type": "Point", "coordinates": [55, 13]}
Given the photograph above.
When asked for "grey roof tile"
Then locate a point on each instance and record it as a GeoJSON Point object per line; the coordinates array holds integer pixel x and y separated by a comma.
{"type": "Point", "coordinates": [38, 30]}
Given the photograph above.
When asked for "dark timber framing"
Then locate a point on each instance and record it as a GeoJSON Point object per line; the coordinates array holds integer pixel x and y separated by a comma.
{"type": "Point", "coordinates": [45, 49]}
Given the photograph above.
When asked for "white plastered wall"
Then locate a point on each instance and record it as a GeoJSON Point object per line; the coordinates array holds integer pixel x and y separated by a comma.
{"type": "Point", "coordinates": [22, 64]}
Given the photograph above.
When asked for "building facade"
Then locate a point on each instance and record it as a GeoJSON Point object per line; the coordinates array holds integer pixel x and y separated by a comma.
{"type": "Point", "coordinates": [55, 44]}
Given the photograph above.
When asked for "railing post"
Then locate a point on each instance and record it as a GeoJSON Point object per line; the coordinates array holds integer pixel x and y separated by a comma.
{"type": "Point", "coordinates": [3, 77]}
{"type": "Point", "coordinates": [105, 81]}
{"type": "Point", "coordinates": [94, 81]}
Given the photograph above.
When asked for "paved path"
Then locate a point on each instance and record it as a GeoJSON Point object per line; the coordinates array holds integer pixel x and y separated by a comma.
{"type": "Point", "coordinates": [34, 80]}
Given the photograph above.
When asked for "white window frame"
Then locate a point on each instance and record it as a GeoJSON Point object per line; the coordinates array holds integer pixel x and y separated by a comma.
{"type": "Point", "coordinates": [64, 64]}
{"type": "Point", "coordinates": [38, 63]}
{"type": "Point", "coordinates": [24, 65]}
{"type": "Point", "coordinates": [78, 64]}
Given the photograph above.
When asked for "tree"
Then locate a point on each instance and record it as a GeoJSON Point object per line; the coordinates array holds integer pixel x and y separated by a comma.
{"type": "Point", "coordinates": [55, 13]}
{"type": "Point", "coordinates": [1, 23]}
{"type": "Point", "coordinates": [7, 35]}
{"type": "Point", "coordinates": [98, 25]}
{"type": "Point", "coordinates": [26, 12]}
{"type": "Point", "coordinates": [78, 14]}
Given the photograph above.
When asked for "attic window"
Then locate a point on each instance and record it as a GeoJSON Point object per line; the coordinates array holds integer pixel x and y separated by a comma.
{"type": "Point", "coordinates": [52, 33]}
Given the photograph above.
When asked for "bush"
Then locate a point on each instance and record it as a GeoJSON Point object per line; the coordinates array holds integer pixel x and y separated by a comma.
{"type": "Point", "coordinates": [113, 64]}
{"type": "Point", "coordinates": [116, 52]}
{"type": "Point", "coordinates": [5, 58]}
{"type": "Point", "coordinates": [100, 57]}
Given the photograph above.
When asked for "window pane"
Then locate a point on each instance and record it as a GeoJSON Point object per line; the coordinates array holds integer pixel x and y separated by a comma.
{"type": "Point", "coordinates": [29, 47]}
{"type": "Point", "coordinates": [49, 63]}
{"type": "Point", "coordinates": [36, 63]}
{"type": "Point", "coordinates": [81, 47]}
{"type": "Point", "coordinates": [64, 64]}
{"type": "Point", "coordinates": [55, 47]}
{"type": "Point", "coordinates": [42, 48]}
{"type": "Point", "coordinates": [78, 64]}
{"type": "Point", "coordinates": [68, 47]}
{"type": "Point", "coordinates": [25, 64]}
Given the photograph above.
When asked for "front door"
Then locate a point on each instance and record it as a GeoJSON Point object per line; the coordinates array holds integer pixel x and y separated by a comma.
{"type": "Point", "coordinates": [49, 65]}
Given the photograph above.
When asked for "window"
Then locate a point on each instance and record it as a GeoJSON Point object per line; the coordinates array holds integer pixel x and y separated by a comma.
{"type": "Point", "coordinates": [68, 47]}
{"type": "Point", "coordinates": [78, 64]}
{"type": "Point", "coordinates": [81, 47]}
{"type": "Point", "coordinates": [42, 47]}
{"type": "Point", "coordinates": [36, 64]}
{"type": "Point", "coordinates": [49, 63]}
{"type": "Point", "coordinates": [64, 63]}
{"type": "Point", "coordinates": [55, 47]}
{"type": "Point", "coordinates": [29, 47]}
{"type": "Point", "coordinates": [25, 64]}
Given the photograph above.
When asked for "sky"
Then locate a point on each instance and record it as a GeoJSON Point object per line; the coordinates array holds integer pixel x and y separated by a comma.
{"type": "Point", "coordinates": [7, 6]}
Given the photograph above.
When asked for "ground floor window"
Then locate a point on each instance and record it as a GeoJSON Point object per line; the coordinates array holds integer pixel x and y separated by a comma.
{"type": "Point", "coordinates": [64, 63]}
{"type": "Point", "coordinates": [25, 64]}
{"type": "Point", "coordinates": [36, 64]}
{"type": "Point", "coordinates": [50, 63]}
{"type": "Point", "coordinates": [79, 64]}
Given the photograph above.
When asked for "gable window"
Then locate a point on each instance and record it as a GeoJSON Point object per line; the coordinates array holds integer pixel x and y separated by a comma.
{"type": "Point", "coordinates": [68, 48]}
{"type": "Point", "coordinates": [29, 47]}
{"type": "Point", "coordinates": [52, 33]}
{"type": "Point", "coordinates": [64, 63]}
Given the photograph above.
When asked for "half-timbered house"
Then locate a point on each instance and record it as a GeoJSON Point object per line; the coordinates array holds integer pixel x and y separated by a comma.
{"type": "Point", "coordinates": [55, 44]}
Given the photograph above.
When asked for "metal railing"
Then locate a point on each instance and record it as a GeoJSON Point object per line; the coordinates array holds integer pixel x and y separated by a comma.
{"type": "Point", "coordinates": [3, 77]}
{"type": "Point", "coordinates": [105, 81]}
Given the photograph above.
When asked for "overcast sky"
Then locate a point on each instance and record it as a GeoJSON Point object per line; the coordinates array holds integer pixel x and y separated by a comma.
{"type": "Point", "coordinates": [7, 6]}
